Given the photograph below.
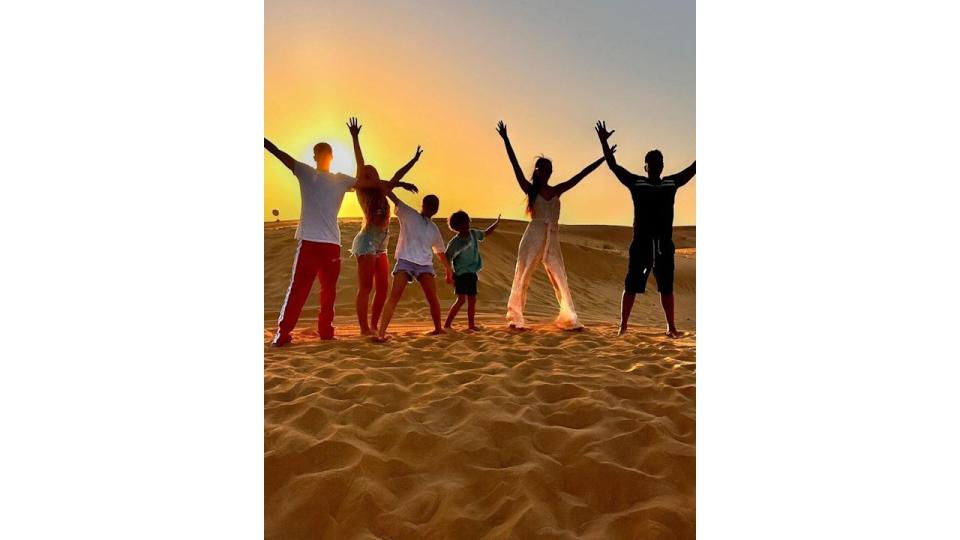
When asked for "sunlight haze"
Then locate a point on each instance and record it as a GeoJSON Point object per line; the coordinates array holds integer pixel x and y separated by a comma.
{"type": "Point", "coordinates": [441, 74]}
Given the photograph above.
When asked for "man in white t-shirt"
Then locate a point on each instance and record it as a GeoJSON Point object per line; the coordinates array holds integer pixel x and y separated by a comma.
{"type": "Point", "coordinates": [318, 249]}
{"type": "Point", "coordinates": [419, 239]}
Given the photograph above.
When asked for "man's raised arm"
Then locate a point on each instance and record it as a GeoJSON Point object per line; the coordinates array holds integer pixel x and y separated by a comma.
{"type": "Point", "coordinates": [683, 176]}
{"type": "Point", "coordinates": [280, 154]}
{"type": "Point", "coordinates": [625, 177]}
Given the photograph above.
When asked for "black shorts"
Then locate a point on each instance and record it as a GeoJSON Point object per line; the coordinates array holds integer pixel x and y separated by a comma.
{"type": "Point", "coordinates": [650, 254]}
{"type": "Point", "coordinates": [465, 284]}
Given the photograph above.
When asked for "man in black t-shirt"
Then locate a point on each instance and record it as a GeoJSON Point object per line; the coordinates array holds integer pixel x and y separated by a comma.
{"type": "Point", "coordinates": [652, 247]}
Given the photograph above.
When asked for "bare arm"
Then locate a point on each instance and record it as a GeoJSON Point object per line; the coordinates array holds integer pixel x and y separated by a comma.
{"type": "Point", "coordinates": [683, 176]}
{"type": "Point", "coordinates": [362, 181]}
{"type": "Point", "coordinates": [563, 187]}
{"type": "Point", "coordinates": [280, 154]}
{"type": "Point", "coordinates": [387, 187]}
{"type": "Point", "coordinates": [393, 197]}
{"type": "Point", "coordinates": [354, 128]}
{"type": "Point", "coordinates": [625, 177]}
{"type": "Point", "coordinates": [493, 226]}
{"type": "Point", "coordinates": [446, 264]}
{"type": "Point", "coordinates": [525, 185]}
{"type": "Point", "coordinates": [402, 171]}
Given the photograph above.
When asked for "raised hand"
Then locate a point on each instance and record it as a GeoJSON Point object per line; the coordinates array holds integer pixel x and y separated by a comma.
{"type": "Point", "coordinates": [502, 129]}
{"type": "Point", "coordinates": [493, 226]}
{"type": "Point", "coordinates": [602, 131]}
{"type": "Point", "coordinates": [409, 187]}
{"type": "Point", "coordinates": [417, 155]}
{"type": "Point", "coordinates": [613, 149]}
{"type": "Point", "coordinates": [354, 126]}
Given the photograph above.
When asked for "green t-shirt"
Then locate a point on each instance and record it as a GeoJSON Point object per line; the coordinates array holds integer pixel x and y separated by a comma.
{"type": "Point", "coordinates": [464, 253]}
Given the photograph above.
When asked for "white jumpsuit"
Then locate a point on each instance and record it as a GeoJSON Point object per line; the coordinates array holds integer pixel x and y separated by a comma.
{"type": "Point", "coordinates": [541, 243]}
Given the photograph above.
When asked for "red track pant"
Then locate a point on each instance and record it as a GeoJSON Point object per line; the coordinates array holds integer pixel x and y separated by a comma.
{"type": "Point", "coordinates": [313, 260]}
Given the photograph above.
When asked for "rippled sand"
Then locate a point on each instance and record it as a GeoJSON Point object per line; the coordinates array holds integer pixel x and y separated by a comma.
{"type": "Point", "coordinates": [539, 434]}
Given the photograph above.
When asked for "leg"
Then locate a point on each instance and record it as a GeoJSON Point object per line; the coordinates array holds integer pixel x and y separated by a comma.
{"type": "Point", "coordinates": [471, 311]}
{"type": "Point", "coordinates": [399, 284]}
{"type": "Point", "coordinates": [663, 272]}
{"type": "Point", "coordinates": [666, 300]}
{"type": "Point", "coordinates": [429, 286]}
{"type": "Point", "coordinates": [329, 273]}
{"type": "Point", "coordinates": [638, 268]}
{"type": "Point", "coordinates": [301, 279]}
{"type": "Point", "coordinates": [626, 306]}
{"type": "Point", "coordinates": [529, 255]}
{"type": "Point", "coordinates": [381, 281]}
{"type": "Point", "coordinates": [556, 271]}
{"type": "Point", "coordinates": [453, 311]}
{"type": "Point", "coordinates": [365, 269]}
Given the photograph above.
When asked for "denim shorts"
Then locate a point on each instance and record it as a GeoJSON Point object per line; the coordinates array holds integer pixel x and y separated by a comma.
{"type": "Point", "coordinates": [370, 240]}
{"type": "Point", "coordinates": [413, 270]}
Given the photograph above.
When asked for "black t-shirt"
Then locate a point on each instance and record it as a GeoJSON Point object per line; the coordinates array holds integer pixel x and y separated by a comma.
{"type": "Point", "coordinates": [653, 207]}
{"type": "Point", "coordinates": [653, 201]}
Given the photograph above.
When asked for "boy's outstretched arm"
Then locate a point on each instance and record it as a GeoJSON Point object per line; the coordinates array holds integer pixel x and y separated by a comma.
{"type": "Point", "coordinates": [525, 184]}
{"type": "Point", "coordinates": [280, 154]}
{"type": "Point", "coordinates": [683, 176]}
{"type": "Point", "coordinates": [493, 226]}
{"type": "Point", "coordinates": [393, 197]}
{"type": "Point", "coordinates": [402, 171]}
{"type": "Point", "coordinates": [625, 177]}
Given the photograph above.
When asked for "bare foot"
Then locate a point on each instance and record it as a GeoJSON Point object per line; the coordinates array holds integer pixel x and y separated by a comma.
{"type": "Point", "coordinates": [380, 339]}
{"type": "Point", "coordinates": [622, 330]}
{"type": "Point", "coordinates": [517, 328]}
{"type": "Point", "coordinates": [448, 326]}
{"type": "Point", "coordinates": [368, 332]}
{"type": "Point", "coordinates": [474, 328]}
{"type": "Point", "coordinates": [674, 334]}
{"type": "Point", "coordinates": [437, 332]}
{"type": "Point", "coordinates": [577, 329]}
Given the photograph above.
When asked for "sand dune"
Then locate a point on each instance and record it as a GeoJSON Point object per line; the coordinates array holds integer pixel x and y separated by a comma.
{"type": "Point", "coordinates": [540, 434]}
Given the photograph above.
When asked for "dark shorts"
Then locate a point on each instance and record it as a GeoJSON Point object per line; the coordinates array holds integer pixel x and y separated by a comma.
{"type": "Point", "coordinates": [650, 254]}
{"type": "Point", "coordinates": [465, 284]}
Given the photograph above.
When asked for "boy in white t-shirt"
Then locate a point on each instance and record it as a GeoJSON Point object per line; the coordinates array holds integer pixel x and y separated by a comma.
{"type": "Point", "coordinates": [419, 239]}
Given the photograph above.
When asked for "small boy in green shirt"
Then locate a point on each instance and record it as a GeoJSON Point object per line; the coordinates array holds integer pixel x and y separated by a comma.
{"type": "Point", "coordinates": [463, 252]}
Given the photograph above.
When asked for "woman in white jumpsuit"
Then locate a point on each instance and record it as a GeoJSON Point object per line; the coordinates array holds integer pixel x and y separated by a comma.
{"type": "Point", "coordinates": [541, 241]}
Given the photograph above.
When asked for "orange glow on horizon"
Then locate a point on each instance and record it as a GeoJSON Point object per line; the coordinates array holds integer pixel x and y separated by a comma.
{"type": "Point", "coordinates": [432, 85]}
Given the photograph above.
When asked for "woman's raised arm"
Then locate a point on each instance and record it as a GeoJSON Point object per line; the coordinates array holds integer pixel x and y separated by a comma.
{"type": "Point", "coordinates": [525, 184]}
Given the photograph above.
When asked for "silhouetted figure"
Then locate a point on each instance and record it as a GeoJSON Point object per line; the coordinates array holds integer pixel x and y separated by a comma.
{"type": "Point", "coordinates": [318, 235]}
{"type": "Point", "coordinates": [276, 214]}
{"type": "Point", "coordinates": [370, 244]}
{"type": "Point", "coordinates": [541, 241]}
{"type": "Point", "coordinates": [652, 249]}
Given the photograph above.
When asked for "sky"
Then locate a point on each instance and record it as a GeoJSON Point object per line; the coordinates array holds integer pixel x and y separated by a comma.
{"type": "Point", "coordinates": [441, 73]}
